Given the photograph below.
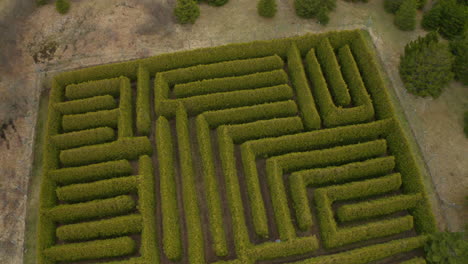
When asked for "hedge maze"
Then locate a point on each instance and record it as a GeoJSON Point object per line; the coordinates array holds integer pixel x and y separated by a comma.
{"type": "Point", "coordinates": [281, 151]}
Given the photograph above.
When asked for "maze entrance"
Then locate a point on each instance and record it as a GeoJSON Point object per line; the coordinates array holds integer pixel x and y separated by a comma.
{"type": "Point", "coordinates": [282, 151]}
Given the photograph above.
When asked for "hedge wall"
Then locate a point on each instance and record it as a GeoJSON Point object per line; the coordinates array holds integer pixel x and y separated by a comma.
{"type": "Point", "coordinates": [83, 137]}
{"type": "Point", "coordinates": [89, 120]}
{"type": "Point", "coordinates": [93, 88]}
{"type": "Point", "coordinates": [125, 109]}
{"type": "Point", "coordinates": [92, 104]}
{"type": "Point", "coordinates": [143, 109]}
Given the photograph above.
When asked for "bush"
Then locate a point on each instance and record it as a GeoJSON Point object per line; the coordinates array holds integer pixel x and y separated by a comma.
{"type": "Point", "coordinates": [143, 109]}
{"type": "Point", "coordinates": [93, 88]}
{"type": "Point", "coordinates": [447, 247]}
{"type": "Point", "coordinates": [459, 48]}
{"type": "Point", "coordinates": [91, 250]}
{"type": "Point", "coordinates": [117, 226]}
{"type": "Point", "coordinates": [448, 17]}
{"type": "Point", "coordinates": [69, 213]}
{"type": "Point", "coordinates": [306, 8]}
{"type": "Point", "coordinates": [41, 2]}
{"type": "Point", "coordinates": [62, 6]}
{"type": "Point", "coordinates": [83, 137]}
{"type": "Point", "coordinates": [426, 66]}
{"type": "Point", "coordinates": [124, 148]}
{"type": "Point", "coordinates": [103, 118]}
{"type": "Point", "coordinates": [392, 6]}
{"type": "Point", "coordinates": [466, 123]}
{"type": "Point", "coordinates": [405, 17]}
{"type": "Point", "coordinates": [91, 172]}
{"type": "Point", "coordinates": [216, 2]}
{"type": "Point", "coordinates": [266, 8]}
{"type": "Point", "coordinates": [186, 11]}
{"type": "Point", "coordinates": [92, 104]}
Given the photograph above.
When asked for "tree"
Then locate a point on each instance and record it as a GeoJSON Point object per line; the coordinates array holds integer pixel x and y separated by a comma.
{"type": "Point", "coordinates": [62, 6]}
{"type": "Point", "coordinates": [322, 15]}
{"type": "Point", "coordinates": [186, 11]}
{"type": "Point", "coordinates": [447, 248]}
{"type": "Point", "coordinates": [217, 2]}
{"type": "Point", "coordinates": [447, 16]}
{"type": "Point", "coordinates": [392, 6]}
{"type": "Point", "coordinates": [266, 8]}
{"type": "Point", "coordinates": [306, 8]}
{"type": "Point", "coordinates": [405, 17]}
{"type": "Point", "coordinates": [459, 48]}
{"type": "Point", "coordinates": [426, 66]}
{"type": "Point", "coordinates": [41, 2]}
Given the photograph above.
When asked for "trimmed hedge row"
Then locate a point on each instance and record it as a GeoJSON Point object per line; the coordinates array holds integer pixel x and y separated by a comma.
{"type": "Point", "coordinates": [298, 191]}
{"type": "Point", "coordinates": [250, 113]}
{"type": "Point", "coordinates": [347, 172]}
{"type": "Point", "coordinates": [92, 104]}
{"type": "Point", "coordinates": [414, 261]}
{"type": "Point", "coordinates": [124, 148]}
{"type": "Point", "coordinates": [117, 226]}
{"type": "Point", "coordinates": [331, 70]}
{"type": "Point", "coordinates": [171, 239]}
{"type": "Point", "coordinates": [195, 249]}
{"type": "Point", "coordinates": [83, 137]}
{"type": "Point", "coordinates": [272, 250]}
{"type": "Point", "coordinates": [143, 109]}
{"type": "Point", "coordinates": [95, 190]}
{"type": "Point", "coordinates": [91, 250]}
{"type": "Point", "coordinates": [89, 120]}
{"type": "Point", "coordinates": [227, 84]}
{"type": "Point", "coordinates": [223, 69]}
{"type": "Point", "coordinates": [125, 109]}
{"type": "Point", "coordinates": [371, 253]}
{"type": "Point", "coordinates": [304, 97]}
{"type": "Point", "coordinates": [212, 194]}
{"type": "Point", "coordinates": [93, 88]}
{"type": "Point", "coordinates": [69, 213]}
{"type": "Point", "coordinates": [91, 172]}
{"type": "Point", "coordinates": [378, 207]}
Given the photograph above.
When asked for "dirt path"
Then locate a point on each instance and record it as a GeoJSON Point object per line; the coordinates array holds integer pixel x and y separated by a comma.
{"type": "Point", "coordinates": [104, 31]}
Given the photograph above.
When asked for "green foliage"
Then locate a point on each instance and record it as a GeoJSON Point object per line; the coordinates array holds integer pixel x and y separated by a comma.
{"type": "Point", "coordinates": [125, 122]}
{"type": "Point", "coordinates": [405, 17]}
{"type": "Point", "coordinates": [273, 250]}
{"type": "Point", "coordinates": [92, 104]}
{"type": "Point", "coordinates": [83, 137]}
{"type": "Point", "coordinates": [143, 109]}
{"type": "Point", "coordinates": [447, 248]}
{"type": "Point", "coordinates": [426, 66]}
{"type": "Point", "coordinates": [315, 9]}
{"type": "Point", "coordinates": [216, 2]}
{"type": "Point", "coordinates": [186, 11]}
{"type": "Point", "coordinates": [459, 48]}
{"type": "Point", "coordinates": [266, 8]}
{"type": "Point", "coordinates": [392, 6]}
{"type": "Point", "coordinates": [448, 17]}
{"type": "Point", "coordinates": [91, 250]}
{"type": "Point", "coordinates": [465, 118]}
{"type": "Point", "coordinates": [103, 118]}
{"type": "Point", "coordinates": [93, 88]}
{"type": "Point", "coordinates": [41, 2]}
{"type": "Point", "coordinates": [62, 6]}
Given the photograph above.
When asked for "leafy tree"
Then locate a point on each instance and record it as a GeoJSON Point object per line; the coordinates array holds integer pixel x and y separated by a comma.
{"type": "Point", "coordinates": [186, 11]}
{"type": "Point", "coordinates": [447, 248]}
{"type": "Point", "coordinates": [306, 8]}
{"type": "Point", "coordinates": [266, 8]}
{"type": "Point", "coordinates": [447, 16]}
{"type": "Point", "coordinates": [405, 17]}
{"type": "Point", "coordinates": [62, 6]}
{"type": "Point", "coordinates": [322, 15]}
{"type": "Point", "coordinates": [459, 48]}
{"type": "Point", "coordinates": [216, 2]}
{"type": "Point", "coordinates": [426, 66]}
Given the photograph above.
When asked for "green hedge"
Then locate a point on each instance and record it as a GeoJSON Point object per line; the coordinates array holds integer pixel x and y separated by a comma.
{"type": "Point", "coordinates": [378, 207]}
{"type": "Point", "coordinates": [91, 172]}
{"type": "Point", "coordinates": [304, 97]}
{"type": "Point", "coordinates": [227, 84]}
{"type": "Point", "coordinates": [300, 201]}
{"type": "Point", "coordinates": [89, 120]}
{"type": "Point", "coordinates": [83, 137]}
{"type": "Point", "coordinates": [125, 109]}
{"type": "Point", "coordinates": [215, 215]}
{"type": "Point", "coordinates": [117, 226]}
{"type": "Point", "coordinates": [93, 88]}
{"type": "Point", "coordinates": [416, 260]}
{"type": "Point", "coordinates": [331, 70]}
{"type": "Point", "coordinates": [92, 104]}
{"type": "Point", "coordinates": [124, 148]}
{"type": "Point", "coordinates": [91, 250]}
{"type": "Point", "coordinates": [223, 69]}
{"type": "Point", "coordinates": [250, 113]}
{"type": "Point", "coordinates": [99, 189]}
{"type": "Point", "coordinates": [171, 239]}
{"type": "Point", "coordinates": [143, 109]}
{"type": "Point", "coordinates": [193, 224]}
{"type": "Point", "coordinates": [347, 172]}
{"type": "Point", "coordinates": [273, 250]}
{"type": "Point", "coordinates": [69, 213]}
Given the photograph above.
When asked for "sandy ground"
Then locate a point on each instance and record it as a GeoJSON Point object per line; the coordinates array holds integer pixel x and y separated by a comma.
{"type": "Point", "coordinates": [38, 42]}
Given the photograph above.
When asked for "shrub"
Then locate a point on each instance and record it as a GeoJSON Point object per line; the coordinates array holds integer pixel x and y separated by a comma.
{"type": "Point", "coordinates": [392, 6]}
{"type": "Point", "coordinates": [322, 15]}
{"type": "Point", "coordinates": [447, 247]}
{"type": "Point", "coordinates": [426, 66]}
{"type": "Point", "coordinates": [62, 6]}
{"type": "Point", "coordinates": [91, 250]}
{"type": "Point", "coordinates": [93, 88]}
{"type": "Point", "coordinates": [83, 137]}
{"type": "Point", "coordinates": [186, 11]}
{"type": "Point", "coordinates": [103, 118]}
{"type": "Point", "coordinates": [448, 17]}
{"type": "Point", "coordinates": [459, 48]}
{"type": "Point", "coordinates": [466, 123]}
{"type": "Point", "coordinates": [125, 109]}
{"type": "Point", "coordinates": [41, 2]}
{"type": "Point", "coordinates": [143, 109]}
{"type": "Point", "coordinates": [266, 8]}
{"type": "Point", "coordinates": [216, 2]}
{"type": "Point", "coordinates": [91, 172]}
{"type": "Point", "coordinates": [306, 8]}
{"type": "Point", "coordinates": [91, 104]}
{"type": "Point", "coordinates": [117, 226]}
{"type": "Point", "coordinates": [405, 17]}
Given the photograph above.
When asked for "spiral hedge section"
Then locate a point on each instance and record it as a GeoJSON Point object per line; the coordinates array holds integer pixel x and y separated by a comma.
{"type": "Point", "coordinates": [283, 151]}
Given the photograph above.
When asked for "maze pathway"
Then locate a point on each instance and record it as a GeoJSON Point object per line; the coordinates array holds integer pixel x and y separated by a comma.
{"type": "Point", "coordinates": [281, 151]}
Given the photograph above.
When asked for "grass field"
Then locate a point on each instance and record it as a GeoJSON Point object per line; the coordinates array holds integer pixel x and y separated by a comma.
{"type": "Point", "coordinates": [281, 151]}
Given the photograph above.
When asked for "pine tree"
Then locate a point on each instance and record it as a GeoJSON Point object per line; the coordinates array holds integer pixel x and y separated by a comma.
{"type": "Point", "coordinates": [426, 66]}
{"type": "Point", "coordinates": [392, 6]}
{"type": "Point", "coordinates": [266, 8]}
{"type": "Point", "coordinates": [453, 19]}
{"type": "Point", "coordinates": [62, 6]}
{"type": "Point", "coordinates": [405, 17]}
{"type": "Point", "coordinates": [306, 8]}
{"type": "Point", "coordinates": [186, 11]}
{"type": "Point", "coordinates": [322, 15]}
{"type": "Point", "coordinates": [431, 19]}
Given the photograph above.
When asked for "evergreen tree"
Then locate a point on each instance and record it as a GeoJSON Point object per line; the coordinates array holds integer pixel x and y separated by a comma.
{"type": "Point", "coordinates": [62, 6]}
{"type": "Point", "coordinates": [322, 15]}
{"type": "Point", "coordinates": [216, 2]}
{"type": "Point", "coordinates": [405, 17]}
{"type": "Point", "coordinates": [431, 19]}
{"type": "Point", "coordinates": [266, 8]}
{"type": "Point", "coordinates": [426, 66]}
{"type": "Point", "coordinates": [459, 48]}
{"type": "Point", "coordinates": [447, 16]}
{"type": "Point", "coordinates": [392, 6]}
{"type": "Point", "coordinates": [306, 8]}
{"type": "Point", "coordinates": [186, 11]}
{"type": "Point", "coordinates": [41, 2]}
